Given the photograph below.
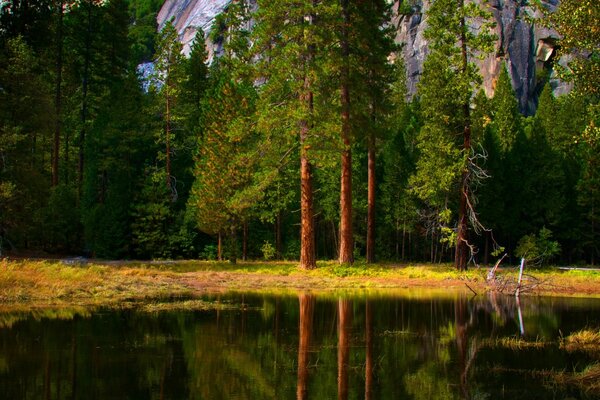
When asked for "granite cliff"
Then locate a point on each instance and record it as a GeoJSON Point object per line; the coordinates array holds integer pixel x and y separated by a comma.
{"type": "Point", "coordinates": [526, 49]}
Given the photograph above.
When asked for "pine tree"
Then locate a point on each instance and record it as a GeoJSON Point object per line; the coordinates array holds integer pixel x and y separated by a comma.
{"type": "Point", "coordinates": [289, 37]}
{"type": "Point", "coordinates": [169, 78]}
{"type": "Point", "coordinates": [446, 90]}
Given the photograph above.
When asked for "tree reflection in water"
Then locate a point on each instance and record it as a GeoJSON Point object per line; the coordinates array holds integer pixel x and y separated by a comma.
{"type": "Point", "coordinates": [304, 346]}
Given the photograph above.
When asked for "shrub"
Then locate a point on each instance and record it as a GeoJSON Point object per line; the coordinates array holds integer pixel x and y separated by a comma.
{"type": "Point", "coordinates": [538, 249]}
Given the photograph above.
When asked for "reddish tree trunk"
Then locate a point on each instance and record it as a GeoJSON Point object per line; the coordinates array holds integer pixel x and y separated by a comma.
{"type": "Point", "coordinates": [245, 242]}
{"type": "Point", "coordinates": [371, 201]}
{"type": "Point", "coordinates": [307, 229]}
{"type": "Point", "coordinates": [346, 238]}
{"type": "Point", "coordinates": [307, 223]}
{"type": "Point", "coordinates": [220, 247]}
{"type": "Point", "coordinates": [462, 249]}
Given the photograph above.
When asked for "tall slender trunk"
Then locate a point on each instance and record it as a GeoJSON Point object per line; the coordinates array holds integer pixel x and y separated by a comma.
{"type": "Point", "coordinates": [486, 251]}
{"type": "Point", "coordinates": [307, 306]}
{"type": "Point", "coordinates": [371, 201]}
{"type": "Point", "coordinates": [278, 243]}
{"type": "Point", "coordinates": [245, 241]}
{"type": "Point", "coordinates": [344, 323]}
{"type": "Point", "coordinates": [346, 237]}
{"type": "Point", "coordinates": [168, 132]}
{"type": "Point", "coordinates": [403, 240]}
{"type": "Point", "coordinates": [58, 94]}
{"type": "Point", "coordinates": [220, 247]}
{"type": "Point", "coordinates": [233, 249]}
{"type": "Point", "coordinates": [307, 223]}
{"type": "Point", "coordinates": [462, 239]}
{"type": "Point", "coordinates": [307, 229]}
{"type": "Point", "coordinates": [84, 105]}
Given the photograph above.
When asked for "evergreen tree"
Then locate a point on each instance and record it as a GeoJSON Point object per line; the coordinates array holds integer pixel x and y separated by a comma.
{"type": "Point", "coordinates": [446, 91]}
{"type": "Point", "coordinates": [225, 159]}
{"type": "Point", "coordinates": [169, 78]}
{"type": "Point", "coordinates": [289, 37]}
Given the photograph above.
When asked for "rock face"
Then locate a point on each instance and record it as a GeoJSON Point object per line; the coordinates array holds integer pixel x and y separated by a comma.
{"type": "Point", "coordinates": [527, 50]}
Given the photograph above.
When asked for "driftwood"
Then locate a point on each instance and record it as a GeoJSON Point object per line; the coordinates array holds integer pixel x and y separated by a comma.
{"type": "Point", "coordinates": [507, 284]}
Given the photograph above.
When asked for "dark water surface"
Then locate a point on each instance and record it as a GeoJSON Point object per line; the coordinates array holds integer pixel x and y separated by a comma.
{"type": "Point", "coordinates": [303, 347]}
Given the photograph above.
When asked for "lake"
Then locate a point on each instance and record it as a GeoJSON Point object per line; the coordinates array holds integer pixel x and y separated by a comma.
{"type": "Point", "coordinates": [403, 345]}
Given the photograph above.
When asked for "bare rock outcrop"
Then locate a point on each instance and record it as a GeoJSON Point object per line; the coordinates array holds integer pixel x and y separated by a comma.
{"type": "Point", "coordinates": [526, 49]}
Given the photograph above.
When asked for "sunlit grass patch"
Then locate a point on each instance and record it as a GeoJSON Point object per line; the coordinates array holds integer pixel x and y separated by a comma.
{"type": "Point", "coordinates": [190, 305]}
{"type": "Point", "coordinates": [514, 343]}
{"type": "Point", "coordinates": [584, 340]}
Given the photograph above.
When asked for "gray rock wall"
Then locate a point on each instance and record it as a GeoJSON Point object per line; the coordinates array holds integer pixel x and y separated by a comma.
{"type": "Point", "coordinates": [526, 49]}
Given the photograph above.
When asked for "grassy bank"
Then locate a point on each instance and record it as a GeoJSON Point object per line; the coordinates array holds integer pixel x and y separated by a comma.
{"type": "Point", "coordinates": [57, 282]}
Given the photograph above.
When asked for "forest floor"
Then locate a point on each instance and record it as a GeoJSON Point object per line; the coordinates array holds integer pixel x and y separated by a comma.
{"type": "Point", "coordinates": [93, 282]}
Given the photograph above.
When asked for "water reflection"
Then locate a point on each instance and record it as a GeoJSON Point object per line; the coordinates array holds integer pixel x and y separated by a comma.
{"type": "Point", "coordinates": [303, 346]}
{"type": "Point", "coordinates": [307, 304]}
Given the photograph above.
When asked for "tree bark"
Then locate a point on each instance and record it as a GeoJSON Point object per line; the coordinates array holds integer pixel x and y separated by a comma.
{"type": "Point", "coordinates": [307, 228]}
{"type": "Point", "coordinates": [371, 201]}
{"type": "Point", "coordinates": [168, 132]}
{"type": "Point", "coordinates": [278, 247]}
{"type": "Point", "coordinates": [233, 254]}
{"type": "Point", "coordinates": [307, 305]}
{"type": "Point", "coordinates": [58, 94]}
{"type": "Point", "coordinates": [462, 239]}
{"type": "Point", "coordinates": [346, 237]}
{"type": "Point", "coordinates": [220, 247]}
{"type": "Point", "coordinates": [245, 241]}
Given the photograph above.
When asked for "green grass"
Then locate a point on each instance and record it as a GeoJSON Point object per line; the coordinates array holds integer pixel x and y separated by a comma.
{"type": "Point", "coordinates": [103, 282]}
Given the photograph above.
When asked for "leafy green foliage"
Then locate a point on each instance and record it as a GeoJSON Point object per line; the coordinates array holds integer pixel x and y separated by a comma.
{"type": "Point", "coordinates": [268, 250]}
{"type": "Point", "coordinates": [538, 249]}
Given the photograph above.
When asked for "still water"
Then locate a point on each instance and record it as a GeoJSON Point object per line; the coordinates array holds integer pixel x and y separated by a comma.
{"type": "Point", "coordinates": [305, 347]}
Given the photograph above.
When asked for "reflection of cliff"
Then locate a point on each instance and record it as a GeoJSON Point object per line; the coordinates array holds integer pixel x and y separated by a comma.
{"type": "Point", "coordinates": [527, 49]}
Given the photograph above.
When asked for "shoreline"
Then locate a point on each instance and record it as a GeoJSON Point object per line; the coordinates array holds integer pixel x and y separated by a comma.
{"type": "Point", "coordinates": [38, 283]}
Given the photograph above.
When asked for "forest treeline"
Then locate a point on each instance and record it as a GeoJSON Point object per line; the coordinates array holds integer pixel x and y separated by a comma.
{"type": "Point", "coordinates": [297, 141]}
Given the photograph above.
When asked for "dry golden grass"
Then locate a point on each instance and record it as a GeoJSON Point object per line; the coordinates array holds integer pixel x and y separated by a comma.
{"type": "Point", "coordinates": [54, 282]}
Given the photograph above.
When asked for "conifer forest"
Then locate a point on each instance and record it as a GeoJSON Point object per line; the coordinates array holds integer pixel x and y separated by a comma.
{"type": "Point", "coordinates": [288, 133]}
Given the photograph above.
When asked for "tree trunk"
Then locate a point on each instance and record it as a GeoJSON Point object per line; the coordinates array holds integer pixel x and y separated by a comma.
{"type": "Point", "coordinates": [245, 241]}
{"type": "Point", "coordinates": [278, 243]}
{"type": "Point", "coordinates": [371, 201]}
{"type": "Point", "coordinates": [307, 223]}
{"type": "Point", "coordinates": [168, 133]}
{"type": "Point", "coordinates": [233, 254]}
{"type": "Point", "coordinates": [307, 305]}
{"type": "Point", "coordinates": [346, 237]}
{"type": "Point", "coordinates": [403, 240]}
{"type": "Point", "coordinates": [486, 252]}
{"type": "Point", "coordinates": [220, 247]}
{"type": "Point", "coordinates": [86, 73]}
{"type": "Point", "coordinates": [58, 94]}
{"type": "Point", "coordinates": [462, 239]}
{"type": "Point", "coordinates": [344, 324]}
